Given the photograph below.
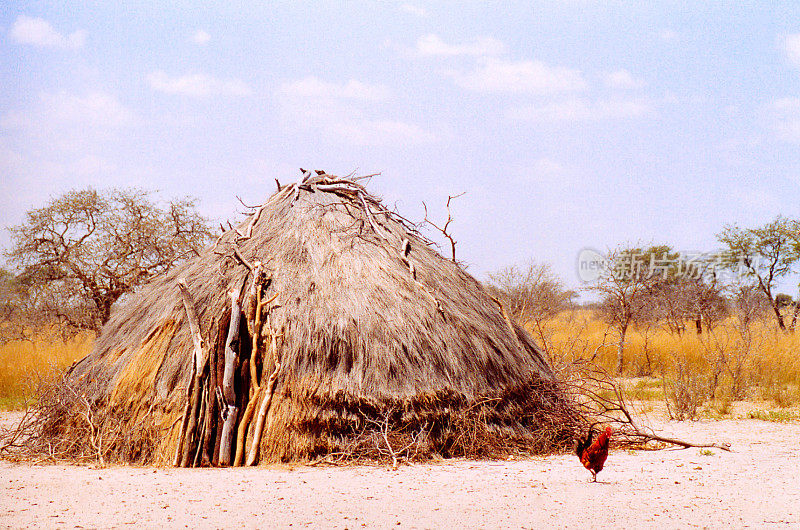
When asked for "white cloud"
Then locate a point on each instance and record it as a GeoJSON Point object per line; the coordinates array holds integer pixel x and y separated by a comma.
{"type": "Point", "coordinates": [433, 46]}
{"type": "Point", "coordinates": [312, 87]}
{"type": "Point", "coordinates": [68, 124]}
{"type": "Point", "coordinates": [623, 80]}
{"type": "Point", "coordinates": [536, 77]}
{"type": "Point", "coordinates": [786, 112]}
{"type": "Point", "coordinates": [792, 48]}
{"type": "Point", "coordinates": [39, 32]}
{"type": "Point", "coordinates": [353, 112]}
{"type": "Point", "coordinates": [582, 109]}
{"type": "Point", "coordinates": [411, 9]}
{"type": "Point", "coordinates": [97, 110]}
{"type": "Point", "coordinates": [197, 85]}
{"type": "Point", "coordinates": [201, 37]}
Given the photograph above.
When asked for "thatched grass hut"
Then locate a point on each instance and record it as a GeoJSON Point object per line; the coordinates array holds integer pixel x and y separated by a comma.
{"type": "Point", "coordinates": [368, 343]}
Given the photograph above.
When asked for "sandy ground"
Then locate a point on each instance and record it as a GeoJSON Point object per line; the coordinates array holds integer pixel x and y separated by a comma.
{"type": "Point", "coordinates": [756, 485]}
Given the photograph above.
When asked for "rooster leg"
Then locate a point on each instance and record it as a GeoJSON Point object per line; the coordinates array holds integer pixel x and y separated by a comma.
{"type": "Point", "coordinates": [594, 476]}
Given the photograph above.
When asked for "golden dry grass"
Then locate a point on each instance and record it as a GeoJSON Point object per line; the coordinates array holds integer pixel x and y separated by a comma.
{"type": "Point", "coordinates": [24, 363]}
{"type": "Point", "coordinates": [729, 363]}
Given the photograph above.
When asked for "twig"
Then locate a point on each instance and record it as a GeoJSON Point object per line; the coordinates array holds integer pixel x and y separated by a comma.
{"type": "Point", "coordinates": [253, 220]}
{"type": "Point", "coordinates": [369, 216]}
{"type": "Point", "coordinates": [389, 446]}
{"type": "Point", "coordinates": [651, 436]}
{"type": "Point", "coordinates": [216, 243]}
{"type": "Point", "coordinates": [241, 258]}
{"type": "Point", "coordinates": [593, 385]}
{"type": "Point", "coordinates": [245, 205]}
{"type": "Point", "coordinates": [443, 229]}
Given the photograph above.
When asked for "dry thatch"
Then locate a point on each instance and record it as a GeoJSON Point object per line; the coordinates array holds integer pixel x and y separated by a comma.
{"type": "Point", "coordinates": [379, 348]}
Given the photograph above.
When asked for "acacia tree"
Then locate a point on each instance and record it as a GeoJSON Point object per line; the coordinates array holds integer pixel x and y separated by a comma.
{"type": "Point", "coordinates": [705, 302]}
{"type": "Point", "coordinates": [763, 254]}
{"type": "Point", "coordinates": [84, 250]}
{"type": "Point", "coordinates": [689, 291]}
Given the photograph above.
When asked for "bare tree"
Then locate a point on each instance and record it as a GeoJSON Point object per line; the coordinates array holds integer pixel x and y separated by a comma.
{"type": "Point", "coordinates": [748, 304]}
{"type": "Point", "coordinates": [85, 249]}
{"type": "Point", "coordinates": [732, 346]}
{"type": "Point", "coordinates": [533, 291]}
{"type": "Point", "coordinates": [533, 295]}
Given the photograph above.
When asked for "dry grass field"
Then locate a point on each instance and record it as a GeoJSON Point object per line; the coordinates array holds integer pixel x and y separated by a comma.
{"type": "Point", "coordinates": [24, 363]}
{"type": "Point", "coordinates": [694, 374]}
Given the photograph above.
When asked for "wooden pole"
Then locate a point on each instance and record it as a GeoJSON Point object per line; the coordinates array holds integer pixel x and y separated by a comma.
{"type": "Point", "coordinates": [176, 461]}
{"type": "Point", "coordinates": [254, 323]}
{"type": "Point", "coordinates": [222, 337]}
{"type": "Point", "coordinates": [201, 425]}
{"type": "Point", "coordinates": [199, 360]}
{"type": "Point", "coordinates": [262, 414]}
{"type": "Point", "coordinates": [210, 421]}
{"type": "Point", "coordinates": [242, 434]}
{"type": "Point", "coordinates": [230, 412]}
{"type": "Point", "coordinates": [200, 351]}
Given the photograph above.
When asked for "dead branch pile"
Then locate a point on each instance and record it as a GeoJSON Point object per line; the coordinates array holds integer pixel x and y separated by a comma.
{"type": "Point", "coordinates": [600, 400]}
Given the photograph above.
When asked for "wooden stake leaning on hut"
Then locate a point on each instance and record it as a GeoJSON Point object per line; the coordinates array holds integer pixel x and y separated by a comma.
{"type": "Point", "coordinates": [267, 399]}
{"type": "Point", "coordinates": [199, 361]}
{"type": "Point", "coordinates": [230, 410]}
{"type": "Point", "coordinates": [254, 309]}
{"type": "Point", "coordinates": [254, 321]}
{"type": "Point", "coordinates": [201, 425]}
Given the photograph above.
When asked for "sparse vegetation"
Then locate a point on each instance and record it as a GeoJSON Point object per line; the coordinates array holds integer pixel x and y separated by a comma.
{"type": "Point", "coordinates": [728, 364]}
{"type": "Point", "coordinates": [692, 371]}
{"type": "Point", "coordinates": [780, 416]}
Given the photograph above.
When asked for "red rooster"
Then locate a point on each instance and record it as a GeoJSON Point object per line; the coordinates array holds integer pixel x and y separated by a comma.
{"type": "Point", "coordinates": [593, 454]}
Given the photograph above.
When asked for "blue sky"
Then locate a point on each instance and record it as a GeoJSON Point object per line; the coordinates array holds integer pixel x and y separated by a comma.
{"type": "Point", "coordinates": [568, 124]}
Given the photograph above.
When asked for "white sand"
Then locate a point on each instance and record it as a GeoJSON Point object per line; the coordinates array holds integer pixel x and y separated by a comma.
{"type": "Point", "coordinates": [757, 485]}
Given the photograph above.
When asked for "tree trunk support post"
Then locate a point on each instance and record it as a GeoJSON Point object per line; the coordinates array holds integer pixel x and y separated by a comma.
{"type": "Point", "coordinates": [230, 411]}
